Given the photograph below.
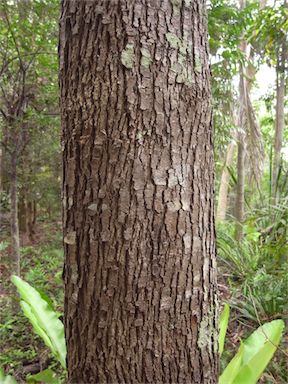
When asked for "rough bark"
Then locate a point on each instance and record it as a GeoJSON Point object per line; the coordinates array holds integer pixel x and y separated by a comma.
{"type": "Point", "coordinates": [224, 184]}
{"type": "Point", "coordinates": [140, 288]}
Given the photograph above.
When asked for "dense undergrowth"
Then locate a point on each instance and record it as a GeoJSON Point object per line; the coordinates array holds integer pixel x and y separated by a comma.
{"type": "Point", "coordinates": [42, 262]}
{"type": "Point", "coordinates": [253, 279]}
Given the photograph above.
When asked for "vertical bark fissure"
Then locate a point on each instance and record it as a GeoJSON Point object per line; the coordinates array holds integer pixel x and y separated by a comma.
{"type": "Point", "coordinates": [138, 192]}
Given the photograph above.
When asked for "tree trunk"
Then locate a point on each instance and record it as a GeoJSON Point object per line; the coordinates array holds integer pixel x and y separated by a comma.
{"type": "Point", "coordinates": [14, 214]}
{"type": "Point", "coordinates": [1, 170]}
{"type": "Point", "coordinates": [240, 195]}
{"type": "Point", "coordinates": [242, 129]}
{"type": "Point", "coordinates": [279, 124]}
{"type": "Point", "coordinates": [140, 286]}
{"type": "Point", "coordinates": [22, 212]}
{"type": "Point", "coordinates": [224, 184]}
{"type": "Point", "coordinates": [240, 188]}
{"type": "Point", "coordinates": [4, 163]}
{"type": "Point", "coordinates": [250, 142]}
{"type": "Point", "coordinates": [31, 217]}
{"type": "Point", "coordinates": [34, 216]}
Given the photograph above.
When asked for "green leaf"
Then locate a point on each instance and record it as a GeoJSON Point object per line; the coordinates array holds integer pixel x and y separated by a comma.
{"type": "Point", "coordinates": [46, 298]}
{"type": "Point", "coordinates": [44, 320]}
{"type": "Point", "coordinates": [47, 376]}
{"type": "Point", "coordinates": [6, 379]}
{"type": "Point", "coordinates": [232, 369]}
{"type": "Point", "coordinates": [253, 355]}
{"type": "Point", "coordinates": [223, 324]}
{"type": "Point", "coordinates": [33, 320]}
{"type": "Point", "coordinates": [259, 349]}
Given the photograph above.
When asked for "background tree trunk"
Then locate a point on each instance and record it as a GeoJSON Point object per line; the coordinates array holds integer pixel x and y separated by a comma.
{"type": "Point", "coordinates": [224, 184]}
{"type": "Point", "coordinates": [280, 120]}
{"type": "Point", "coordinates": [14, 214]}
{"type": "Point", "coordinates": [22, 211]}
{"type": "Point", "coordinates": [140, 287]}
{"type": "Point", "coordinates": [31, 219]}
{"type": "Point", "coordinates": [242, 129]}
{"type": "Point", "coordinates": [1, 170]}
{"type": "Point", "coordinates": [240, 188]}
{"type": "Point", "coordinates": [240, 195]}
{"type": "Point", "coordinates": [4, 163]}
{"type": "Point", "coordinates": [250, 142]}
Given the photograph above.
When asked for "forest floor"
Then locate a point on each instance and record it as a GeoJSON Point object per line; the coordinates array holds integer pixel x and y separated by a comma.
{"type": "Point", "coordinates": [23, 353]}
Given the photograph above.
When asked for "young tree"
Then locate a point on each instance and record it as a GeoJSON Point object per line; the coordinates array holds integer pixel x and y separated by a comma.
{"type": "Point", "coordinates": [224, 184]}
{"type": "Point", "coordinates": [140, 288]}
{"type": "Point", "coordinates": [250, 143]}
{"type": "Point", "coordinates": [281, 76]}
{"type": "Point", "coordinates": [27, 57]}
{"type": "Point", "coordinates": [269, 39]}
{"type": "Point", "coordinates": [228, 25]}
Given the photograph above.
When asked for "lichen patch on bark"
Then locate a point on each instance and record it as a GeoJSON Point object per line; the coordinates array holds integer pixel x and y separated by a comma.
{"type": "Point", "coordinates": [128, 56]}
{"type": "Point", "coordinates": [146, 58]}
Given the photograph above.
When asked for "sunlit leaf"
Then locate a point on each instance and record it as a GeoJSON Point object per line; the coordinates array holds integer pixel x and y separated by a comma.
{"type": "Point", "coordinates": [44, 320]}
{"type": "Point", "coordinates": [232, 368]}
{"type": "Point", "coordinates": [259, 349]}
{"type": "Point", "coordinates": [47, 376]}
{"type": "Point", "coordinates": [223, 324]}
{"type": "Point", "coordinates": [253, 355]}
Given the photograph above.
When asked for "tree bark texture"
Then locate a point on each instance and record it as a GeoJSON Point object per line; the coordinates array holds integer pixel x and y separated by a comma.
{"type": "Point", "coordinates": [140, 286]}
